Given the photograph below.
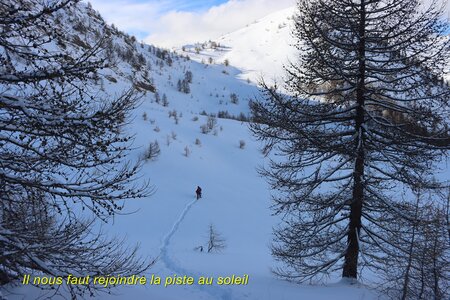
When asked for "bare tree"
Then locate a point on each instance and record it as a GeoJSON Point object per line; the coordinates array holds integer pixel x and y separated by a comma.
{"type": "Point", "coordinates": [418, 265]}
{"type": "Point", "coordinates": [216, 242]}
{"type": "Point", "coordinates": [61, 150]}
{"type": "Point", "coordinates": [153, 151]}
{"type": "Point", "coordinates": [366, 118]}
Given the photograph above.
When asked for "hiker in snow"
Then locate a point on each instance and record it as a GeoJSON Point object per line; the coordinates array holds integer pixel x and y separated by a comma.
{"type": "Point", "coordinates": [199, 192]}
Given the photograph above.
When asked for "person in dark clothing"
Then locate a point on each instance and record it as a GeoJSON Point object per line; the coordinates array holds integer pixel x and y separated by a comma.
{"type": "Point", "coordinates": [199, 192]}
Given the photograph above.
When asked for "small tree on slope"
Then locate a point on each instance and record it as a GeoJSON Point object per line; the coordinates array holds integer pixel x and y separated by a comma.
{"type": "Point", "coordinates": [366, 122]}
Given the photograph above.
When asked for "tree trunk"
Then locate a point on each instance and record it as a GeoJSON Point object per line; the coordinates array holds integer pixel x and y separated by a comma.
{"type": "Point", "coordinates": [350, 269]}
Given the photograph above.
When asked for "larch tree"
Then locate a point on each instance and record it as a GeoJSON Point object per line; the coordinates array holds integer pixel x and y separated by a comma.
{"type": "Point", "coordinates": [364, 122]}
{"type": "Point", "coordinates": [61, 152]}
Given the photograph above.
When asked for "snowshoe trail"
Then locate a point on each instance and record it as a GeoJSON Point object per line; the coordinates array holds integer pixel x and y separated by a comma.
{"type": "Point", "coordinates": [214, 291]}
{"type": "Point", "coordinates": [167, 238]}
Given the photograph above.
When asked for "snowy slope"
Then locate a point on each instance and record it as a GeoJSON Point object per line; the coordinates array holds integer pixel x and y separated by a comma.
{"type": "Point", "coordinates": [260, 49]}
{"type": "Point", "coordinates": [170, 224]}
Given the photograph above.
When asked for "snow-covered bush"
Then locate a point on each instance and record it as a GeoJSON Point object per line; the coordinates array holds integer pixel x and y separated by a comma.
{"type": "Point", "coordinates": [234, 98]}
{"type": "Point", "coordinates": [165, 102]}
{"type": "Point", "coordinates": [187, 151]}
{"type": "Point", "coordinates": [210, 125]}
{"type": "Point", "coordinates": [188, 76]}
{"type": "Point", "coordinates": [183, 86]}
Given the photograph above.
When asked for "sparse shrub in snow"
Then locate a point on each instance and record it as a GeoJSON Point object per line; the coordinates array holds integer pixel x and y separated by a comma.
{"type": "Point", "coordinates": [216, 243]}
{"type": "Point", "coordinates": [241, 144]}
{"type": "Point", "coordinates": [211, 122]}
{"type": "Point", "coordinates": [153, 151]}
{"type": "Point", "coordinates": [234, 98]}
{"type": "Point", "coordinates": [173, 113]}
{"type": "Point", "coordinates": [210, 60]}
{"type": "Point", "coordinates": [187, 151]}
{"type": "Point", "coordinates": [140, 61]}
{"type": "Point", "coordinates": [243, 118]}
{"type": "Point", "coordinates": [224, 114]}
{"type": "Point", "coordinates": [168, 140]}
{"type": "Point", "coordinates": [79, 26]}
{"type": "Point", "coordinates": [183, 86]}
{"type": "Point", "coordinates": [152, 121]}
{"type": "Point", "coordinates": [173, 135]}
{"type": "Point", "coordinates": [144, 116]}
{"type": "Point", "coordinates": [215, 132]}
{"type": "Point", "coordinates": [203, 113]}
{"type": "Point", "coordinates": [198, 142]}
{"type": "Point", "coordinates": [204, 129]}
{"type": "Point", "coordinates": [169, 61]}
{"type": "Point", "coordinates": [195, 119]}
{"type": "Point", "coordinates": [157, 129]}
{"type": "Point", "coordinates": [226, 62]}
{"type": "Point", "coordinates": [188, 76]}
{"type": "Point", "coordinates": [165, 102]}
{"type": "Point", "coordinates": [157, 97]}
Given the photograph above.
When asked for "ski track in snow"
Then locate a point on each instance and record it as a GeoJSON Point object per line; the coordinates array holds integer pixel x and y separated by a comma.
{"type": "Point", "coordinates": [166, 240]}
{"type": "Point", "coordinates": [214, 291]}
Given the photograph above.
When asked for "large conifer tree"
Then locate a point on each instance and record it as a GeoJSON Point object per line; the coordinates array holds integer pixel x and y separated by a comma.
{"type": "Point", "coordinates": [364, 124]}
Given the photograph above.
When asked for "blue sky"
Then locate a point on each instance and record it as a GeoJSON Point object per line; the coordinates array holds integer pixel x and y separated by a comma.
{"type": "Point", "coordinates": [193, 5]}
{"type": "Point", "coordinates": [182, 5]}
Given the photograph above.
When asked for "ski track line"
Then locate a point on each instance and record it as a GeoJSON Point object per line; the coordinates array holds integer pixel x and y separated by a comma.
{"type": "Point", "coordinates": [166, 240]}
{"type": "Point", "coordinates": [216, 292]}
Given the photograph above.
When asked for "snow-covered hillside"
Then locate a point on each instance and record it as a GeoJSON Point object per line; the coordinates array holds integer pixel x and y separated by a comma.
{"type": "Point", "coordinates": [171, 224]}
{"type": "Point", "coordinates": [260, 49]}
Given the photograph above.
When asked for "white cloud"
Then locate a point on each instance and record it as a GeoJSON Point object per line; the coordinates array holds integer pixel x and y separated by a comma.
{"type": "Point", "coordinates": [177, 28]}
